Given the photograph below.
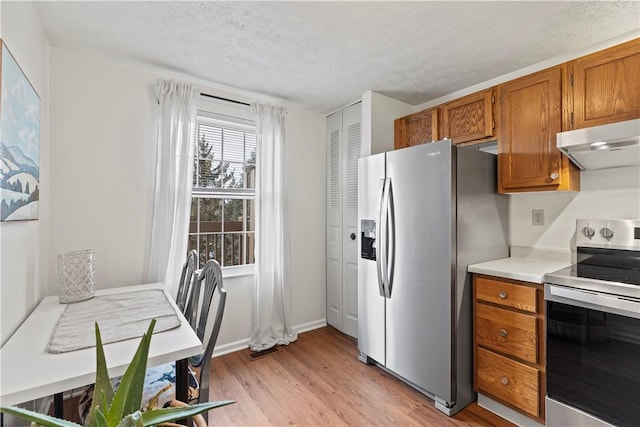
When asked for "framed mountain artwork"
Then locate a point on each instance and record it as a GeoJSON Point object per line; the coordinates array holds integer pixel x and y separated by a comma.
{"type": "Point", "coordinates": [19, 143]}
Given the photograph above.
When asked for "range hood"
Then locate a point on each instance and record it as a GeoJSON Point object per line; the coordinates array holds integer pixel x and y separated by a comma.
{"type": "Point", "coordinates": [606, 146]}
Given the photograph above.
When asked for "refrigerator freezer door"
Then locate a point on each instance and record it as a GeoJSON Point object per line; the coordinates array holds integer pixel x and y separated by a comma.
{"type": "Point", "coordinates": [418, 313]}
{"type": "Point", "coordinates": [371, 307]}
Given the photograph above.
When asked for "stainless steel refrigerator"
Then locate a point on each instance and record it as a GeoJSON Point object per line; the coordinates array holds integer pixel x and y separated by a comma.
{"type": "Point", "coordinates": [424, 214]}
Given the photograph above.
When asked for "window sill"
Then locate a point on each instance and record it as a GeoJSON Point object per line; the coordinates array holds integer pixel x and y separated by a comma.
{"type": "Point", "coordinates": [237, 271]}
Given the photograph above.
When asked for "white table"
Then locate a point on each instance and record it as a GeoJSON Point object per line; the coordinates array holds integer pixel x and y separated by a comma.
{"type": "Point", "coordinates": [28, 371]}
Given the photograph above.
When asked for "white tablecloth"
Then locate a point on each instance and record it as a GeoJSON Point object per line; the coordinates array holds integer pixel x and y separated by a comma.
{"type": "Point", "coordinates": [119, 316]}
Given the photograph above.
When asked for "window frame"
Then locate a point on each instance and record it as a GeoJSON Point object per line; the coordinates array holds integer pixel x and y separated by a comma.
{"type": "Point", "coordinates": [248, 194]}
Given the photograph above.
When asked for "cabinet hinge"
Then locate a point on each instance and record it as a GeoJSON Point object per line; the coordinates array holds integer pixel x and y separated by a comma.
{"type": "Point", "coordinates": [571, 117]}
{"type": "Point", "coordinates": [571, 79]}
{"type": "Point", "coordinates": [493, 124]}
{"type": "Point", "coordinates": [493, 99]}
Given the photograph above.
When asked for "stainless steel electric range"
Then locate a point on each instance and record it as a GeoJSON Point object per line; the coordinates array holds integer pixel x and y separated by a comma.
{"type": "Point", "coordinates": [593, 329]}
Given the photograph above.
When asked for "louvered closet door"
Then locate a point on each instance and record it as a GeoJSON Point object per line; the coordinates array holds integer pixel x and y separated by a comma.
{"type": "Point", "coordinates": [343, 151]}
{"type": "Point", "coordinates": [351, 125]}
{"type": "Point", "coordinates": [334, 220]}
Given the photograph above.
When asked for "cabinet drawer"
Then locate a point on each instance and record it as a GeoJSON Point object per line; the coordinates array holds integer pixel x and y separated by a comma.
{"type": "Point", "coordinates": [507, 294]}
{"type": "Point", "coordinates": [509, 381]}
{"type": "Point", "coordinates": [507, 331]}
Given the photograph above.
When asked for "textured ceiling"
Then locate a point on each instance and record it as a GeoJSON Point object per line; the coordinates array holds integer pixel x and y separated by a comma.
{"type": "Point", "coordinates": [322, 55]}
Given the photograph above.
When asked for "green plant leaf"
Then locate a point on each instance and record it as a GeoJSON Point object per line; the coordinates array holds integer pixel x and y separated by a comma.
{"type": "Point", "coordinates": [104, 403]}
{"type": "Point", "coordinates": [164, 415]}
{"type": "Point", "coordinates": [128, 397]}
{"type": "Point", "coordinates": [101, 421]}
{"type": "Point", "coordinates": [35, 417]}
{"type": "Point", "coordinates": [102, 390]}
{"type": "Point", "coordinates": [132, 420]}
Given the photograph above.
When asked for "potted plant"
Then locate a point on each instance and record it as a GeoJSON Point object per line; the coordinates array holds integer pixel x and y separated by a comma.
{"type": "Point", "coordinates": [122, 407]}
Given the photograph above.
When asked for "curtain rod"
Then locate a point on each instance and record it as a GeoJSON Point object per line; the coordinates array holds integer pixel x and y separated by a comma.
{"type": "Point", "coordinates": [224, 99]}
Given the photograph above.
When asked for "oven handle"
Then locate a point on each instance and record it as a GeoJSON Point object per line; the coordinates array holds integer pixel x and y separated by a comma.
{"type": "Point", "coordinates": [589, 297]}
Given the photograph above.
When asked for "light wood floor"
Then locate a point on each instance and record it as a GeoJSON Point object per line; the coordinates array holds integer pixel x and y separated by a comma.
{"type": "Point", "coordinates": [318, 381]}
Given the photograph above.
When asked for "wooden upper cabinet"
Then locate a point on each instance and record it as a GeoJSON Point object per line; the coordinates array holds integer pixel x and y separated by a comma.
{"type": "Point", "coordinates": [603, 87]}
{"type": "Point", "coordinates": [530, 118]}
{"type": "Point", "coordinates": [416, 128]}
{"type": "Point", "coordinates": [469, 119]}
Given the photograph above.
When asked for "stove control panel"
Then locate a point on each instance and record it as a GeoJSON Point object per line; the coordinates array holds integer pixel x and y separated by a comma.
{"type": "Point", "coordinates": [608, 233]}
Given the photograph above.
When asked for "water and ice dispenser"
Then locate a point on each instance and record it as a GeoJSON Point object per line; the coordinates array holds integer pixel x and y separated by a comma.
{"type": "Point", "coordinates": [368, 239]}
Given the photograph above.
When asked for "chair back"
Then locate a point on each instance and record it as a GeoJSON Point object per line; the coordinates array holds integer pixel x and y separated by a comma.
{"type": "Point", "coordinates": [186, 278]}
{"type": "Point", "coordinates": [205, 285]}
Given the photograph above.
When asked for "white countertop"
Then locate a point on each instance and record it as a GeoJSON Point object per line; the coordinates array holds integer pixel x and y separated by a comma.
{"type": "Point", "coordinates": [525, 269]}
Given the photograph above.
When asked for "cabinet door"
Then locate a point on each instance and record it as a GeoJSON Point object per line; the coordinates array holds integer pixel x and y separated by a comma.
{"type": "Point", "coordinates": [470, 118]}
{"type": "Point", "coordinates": [606, 86]}
{"type": "Point", "coordinates": [510, 382]}
{"type": "Point", "coordinates": [417, 128]}
{"type": "Point", "coordinates": [530, 118]}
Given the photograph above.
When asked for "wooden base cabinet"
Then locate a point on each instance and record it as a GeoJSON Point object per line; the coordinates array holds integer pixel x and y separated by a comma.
{"type": "Point", "coordinates": [509, 381]}
{"type": "Point", "coordinates": [509, 352]}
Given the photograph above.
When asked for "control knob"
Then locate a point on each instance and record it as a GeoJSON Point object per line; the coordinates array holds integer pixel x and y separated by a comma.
{"type": "Point", "coordinates": [606, 232]}
{"type": "Point", "coordinates": [588, 231]}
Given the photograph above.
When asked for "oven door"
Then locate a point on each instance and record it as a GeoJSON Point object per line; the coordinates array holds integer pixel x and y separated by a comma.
{"type": "Point", "coordinates": [593, 353]}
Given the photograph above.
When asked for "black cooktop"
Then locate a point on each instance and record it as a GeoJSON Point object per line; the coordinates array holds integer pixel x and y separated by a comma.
{"type": "Point", "coordinates": [609, 264]}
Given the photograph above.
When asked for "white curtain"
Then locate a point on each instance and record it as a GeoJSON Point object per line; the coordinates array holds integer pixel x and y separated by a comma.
{"type": "Point", "coordinates": [271, 288]}
{"type": "Point", "coordinates": [174, 175]}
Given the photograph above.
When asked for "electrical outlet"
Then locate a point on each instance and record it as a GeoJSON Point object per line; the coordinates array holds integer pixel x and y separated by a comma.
{"type": "Point", "coordinates": [537, 216]}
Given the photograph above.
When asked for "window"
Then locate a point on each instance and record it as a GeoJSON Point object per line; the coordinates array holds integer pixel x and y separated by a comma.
{"type": "Point", "coordinates": [222, 206]}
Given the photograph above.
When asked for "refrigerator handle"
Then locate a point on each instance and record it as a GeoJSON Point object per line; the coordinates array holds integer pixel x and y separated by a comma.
{"type": "Point", "coordinates": [391, 239]}
{"type": "Point", "coordinates": [384, 236]}
{"type": "Point", "coordinates": [381, 244]}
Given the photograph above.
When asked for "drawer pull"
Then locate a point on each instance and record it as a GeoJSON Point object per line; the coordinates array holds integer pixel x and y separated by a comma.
{"type": "Point", "coordinates": [502, 294]}
{"type": "Point", "coordinates": [504, 380]}
{"type": "Point", "coordinates": [503, 332]}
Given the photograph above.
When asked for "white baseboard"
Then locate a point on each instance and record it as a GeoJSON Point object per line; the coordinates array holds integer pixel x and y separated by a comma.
{"type": "Point", "coordinates": [310, 326]}
{"type": "Point", "coordinates": [244, 343]}
{"type": "Point", "coordinates": [231, 347]}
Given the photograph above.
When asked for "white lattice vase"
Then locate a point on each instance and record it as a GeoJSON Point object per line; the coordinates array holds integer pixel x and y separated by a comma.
{"type": "Point", "coordinates": [76, 276]}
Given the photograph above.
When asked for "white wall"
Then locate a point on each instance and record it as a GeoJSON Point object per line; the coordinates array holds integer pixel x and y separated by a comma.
{"type": "Point", "coordinates": [306, 181]}
{"type": "Point", "coordinates": [378, 115]}
{"type": "Point", "coordinates": [103, 133]}
{"type": "Point", "coordinates": [606, 194]}
{"type": "Point", "coordinates": [103, 127]}
{"type": "Point", "coordinates": [23, 244]}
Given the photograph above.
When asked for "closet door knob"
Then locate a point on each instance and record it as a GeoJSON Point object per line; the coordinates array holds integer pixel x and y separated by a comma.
{"type": "Point", "coordinates": [352, 236]}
